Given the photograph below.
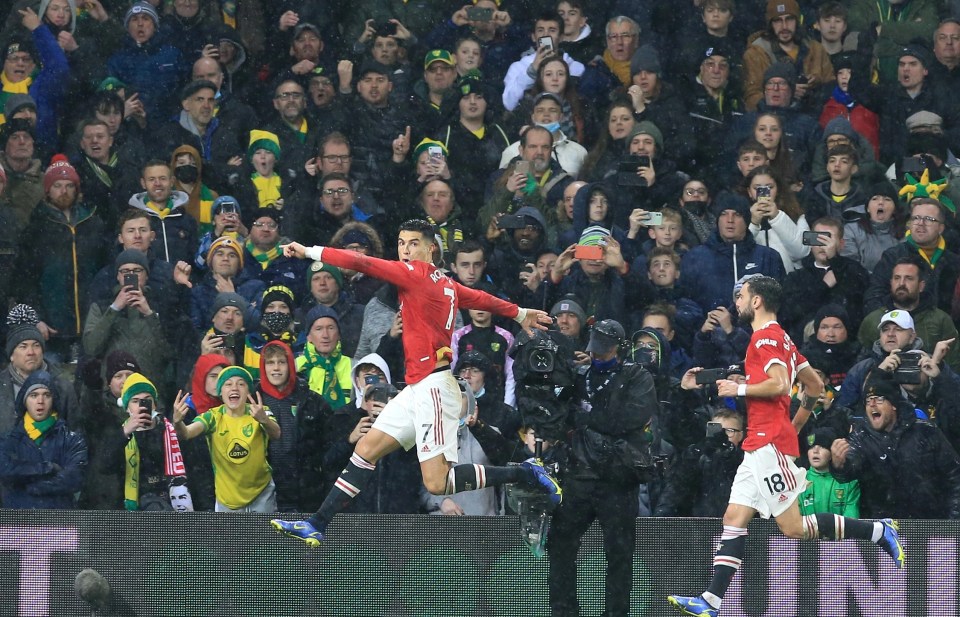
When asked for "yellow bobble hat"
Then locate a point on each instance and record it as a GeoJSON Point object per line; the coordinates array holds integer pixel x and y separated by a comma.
{"type": "Point", "coordinates": [234, 371]}
{"type": "Point", "coordinates": [263, 140]}
{"type": "Point", "coordinates": [225, 242]}
{"type": "Point", "coordinates": [426, 143]}
{"type": "Point", "coordinates": [136, 384]}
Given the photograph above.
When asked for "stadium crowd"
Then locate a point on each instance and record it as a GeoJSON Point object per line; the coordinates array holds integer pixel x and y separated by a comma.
{"type": "Point", "coordinates": [632, 160]}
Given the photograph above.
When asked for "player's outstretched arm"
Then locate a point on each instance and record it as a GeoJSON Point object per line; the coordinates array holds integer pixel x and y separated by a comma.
{"type": "Point", "coordinates": [294, 249]}
{"type": "Point", "coordinates": [534, 319]}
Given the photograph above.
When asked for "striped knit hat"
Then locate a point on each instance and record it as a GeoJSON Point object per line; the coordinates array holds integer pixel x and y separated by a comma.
{"type": "Point", "coordinates": [136, 384]}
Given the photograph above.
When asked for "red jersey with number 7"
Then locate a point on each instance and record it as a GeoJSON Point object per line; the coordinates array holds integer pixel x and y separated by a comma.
{"type": "Point", "coordinates": [429, 301]}
{"type": "Point", "coordinates": [768, 419]}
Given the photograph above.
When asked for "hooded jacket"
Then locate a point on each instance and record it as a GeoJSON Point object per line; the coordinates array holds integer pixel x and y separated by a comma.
{"type": "Point", "coordinates": [710, 270]}
{"type": "Point", "coordinates": [199, 200]}
{"type": "Point", "coordinates": [394, 488]}
{"type": "Point", "coordinates": [177, 236]}
{"type": "Point", "coordinates": [45, 474]}
{"type": "Point", "coordinates": [297, 457]}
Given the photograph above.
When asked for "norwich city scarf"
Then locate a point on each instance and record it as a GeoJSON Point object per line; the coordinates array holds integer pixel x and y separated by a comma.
{"type": "Point", "coordinates": [931, 259]}
{"type": "Point", "coordinates": [37, 431]}
{"type": "Point", "coordinates": [9, 89]}
{"type": "Point", "coordinates": [172, 465]}
{"type": "Point", "coordinates": [330, 390]}
{"type": "Point", "coordinates": [268, 189]}
{"type": "Point", "coordinates": [263, 257]}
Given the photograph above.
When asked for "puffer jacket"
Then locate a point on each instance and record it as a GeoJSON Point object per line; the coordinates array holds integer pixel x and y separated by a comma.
{"type": "Point", "coordinates": [154, 70]}
{"type": "Point", "coordinates": [709, 271]}
{"type": "Point", "coordinates": [177, 234]}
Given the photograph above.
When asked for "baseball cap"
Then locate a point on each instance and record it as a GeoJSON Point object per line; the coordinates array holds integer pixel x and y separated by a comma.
{"type": "Point", "coordinates": [605, 335]}
{"type": "Point", "coordinates": [438, 55]}
{"type": "Point", "coordinates": [899, 317]}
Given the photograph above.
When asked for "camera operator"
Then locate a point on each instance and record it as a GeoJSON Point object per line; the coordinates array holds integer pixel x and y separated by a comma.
{"type": "Point", "coordinates": [699, 481]}
{"type": "Point", "coordinates": [616, 401]}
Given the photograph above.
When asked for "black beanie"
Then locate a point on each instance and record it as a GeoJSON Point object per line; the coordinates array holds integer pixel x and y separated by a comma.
{"type": "Point", "coordinates": [731, 201]}
{"type": "Point", "coordinates": [823, 437]}
{"type": "Point", "coordinates": [119, 360]}
{"type": "Point", "coordinates": [20, 333]}
{"type": "Point", "coordinates": [832, 310]}
{"type": "Point", "coordinates": [883, 188]}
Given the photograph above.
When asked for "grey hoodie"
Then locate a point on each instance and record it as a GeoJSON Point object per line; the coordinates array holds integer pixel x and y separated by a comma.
{"type": "Point", "coordinates": [371, 358]}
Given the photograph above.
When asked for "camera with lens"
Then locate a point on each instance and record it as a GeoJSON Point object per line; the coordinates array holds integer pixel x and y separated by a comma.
{"type": "Point", "coordinates": [380, 392]}
{"type": "Point", "coordinates": [542, 368]}
{"type": "Point", "coordinates": [909, 370]}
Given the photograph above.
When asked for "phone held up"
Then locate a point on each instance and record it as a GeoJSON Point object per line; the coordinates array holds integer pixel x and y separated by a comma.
{"type": "Point", "coordinates": [812, 238]}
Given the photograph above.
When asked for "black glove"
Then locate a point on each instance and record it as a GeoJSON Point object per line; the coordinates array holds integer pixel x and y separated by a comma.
{"type": "Point", "coordinates": [90, 374]}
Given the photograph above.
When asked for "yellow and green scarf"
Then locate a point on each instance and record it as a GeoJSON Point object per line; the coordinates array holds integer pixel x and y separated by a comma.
{"type": "Point", "coordinates": [37, 431]}
{"type": "Point", "coordinates": [264, 257]}
{"type": "Point", "coordinates": [268, 189]}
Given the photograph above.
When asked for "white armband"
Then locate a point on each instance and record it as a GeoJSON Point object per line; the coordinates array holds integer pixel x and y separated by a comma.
{"type": "Point", "coordinates": [521, 315]}
{"type": "Point", "coordinates": [742, 390]}
{"type": "Point", "coordinates": [314, 252]}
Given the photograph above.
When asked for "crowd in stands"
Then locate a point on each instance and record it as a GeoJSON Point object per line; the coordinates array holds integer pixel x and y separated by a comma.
{"type": "Point", "coordinates": [628, 160]}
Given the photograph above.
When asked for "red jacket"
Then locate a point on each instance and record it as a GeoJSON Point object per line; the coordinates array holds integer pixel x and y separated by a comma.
{"type": "Point", "coordinates": [861, 119]}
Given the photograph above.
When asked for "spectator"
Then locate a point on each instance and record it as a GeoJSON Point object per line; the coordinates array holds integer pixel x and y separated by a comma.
{"type": "Point", "coordinates": [175, 230]}
{"type": "Point", "coordinates": [148, 447]}
{"type": "Point", "coordinates": [225, 221]}
{"type": "Point", "coordinates": [296, 457]}
{"type": "Point", "coordinates": [710, 270]}
{"type": "Point", "coordinates": [322, 364]}
{"type": "Point", "coordinates": [547, 113]}
{"type": "Point", "coordinates": [440, 208]}
{"type": "Point", "coordinates": [225, 274]}
{"type": "Point", "coordinates": [241, 424]}
{"type": "Point", "coordinates": [906, 287]}
{"type": "Point", "coordinates": [906, 467]}
{"type": "Point", "coordinates": [493, 342]}
{"type": "Point", "coordinates": [605, 155]}
{"type": "Point", "coordinates": [60, 251]}
{"type": "Point", "coordinates": [846, 122]}
{"type": "Point", "coordinates": [23, 170]}
{"type": "Point", "coordinates": [128, 321]}
{"type": "Point", "coordinates": [824, 277]}
{"type": "Point", "coordinates": [148, 63]}
{"type": "Point", "coordinates": [576, 121]}
{"type": "Point", "coordinates": [660, 318]}
{"type": "Point", "coordinates": [188, 177]}
{"type": "Point", "coordinates": [262, 258]}
{"type": "Point", "coordinates": [578, 37]}
{"type": "Point", "coordinates": [235, 117]}
{"type": "Point", "coordinates": [361, 238]}
{"type": "Point", "coordinates": [783, 42]}
{"type": "Point", "coordinates": [926, 242]}
{"type": "Point", "coordinates": [698, 481]}
{"type": "Point", "coordinates": [266, 188]}
{"type": "Point", "coordinates": [832, 349]}
{"type": "Point", "coordinates": [694, 206]}
{"type": "Point", "coordinates": [276, 323]}
{"type": "Point", "coordinates": [523, 72]}
{"type": "Point", "coordinates": [776, 219]}
{"type": "Point", "coordinates": [106, 181]}
{"type": "Point", "coordinates": [325, 286]}
{"type": "Point", "coordinates": [613, 70]}
{"type": "Point", "coordinates": [432, 95]}
{"type": "Point", "coordinates": [824, 493]}
{"type": "Point", "coordinates": [42, 463]}
{"type": "Point", "coordinates": [904, 23]}
{"type": "Point", "coordinates": [837, 195]}
{"type": "Point", "coordinates": [227, 335]}
{"type": "Point", "coordinates": [878, 227]}
{"type": "Point", "coordinates": [946, 48]}
{"type": "Point", "coordinates": [298, 140]}
{"type": "Point", "coordinates": [572, 323]}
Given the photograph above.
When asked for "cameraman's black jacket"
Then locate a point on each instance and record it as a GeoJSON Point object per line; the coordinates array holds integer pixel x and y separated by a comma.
{"type": "Point", "coordinates": [617, 415]}
{"type": "Point", "coordinates": [699, 480]}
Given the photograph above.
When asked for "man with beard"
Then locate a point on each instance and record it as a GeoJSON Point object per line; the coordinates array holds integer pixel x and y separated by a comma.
{"type": "Point", "coordinates": [768, 482]}
{"type": "Point", "coordinates": [60, 251]}
{"type": "Point", "coordinates": [298, 139]}
{"type": "Point", "coordinates": [175, 238]}
{"type": "Point", "coordinates": [517, 247]}
{"type": "Point", "coordinates": [932, 324]}
{"type": "Point", "coordinates": [534, 180]}
{"type": "Point", "coordinates": [926, 242]}
{"type": "Point", "coordinates": [832, 350]}
{"type": "Point", "coordinates": [782, 42]}
{"type": "Point", "coordinates": [824, 277]}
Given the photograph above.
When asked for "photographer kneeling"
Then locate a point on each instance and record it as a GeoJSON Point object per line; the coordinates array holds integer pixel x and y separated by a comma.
{"type": "Point", "coordinates": [616, 401]}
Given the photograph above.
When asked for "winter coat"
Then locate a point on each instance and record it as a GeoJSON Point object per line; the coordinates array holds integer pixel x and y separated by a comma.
{"type": "Point", "coordinates": [205, 292]}
{"type": "Point", "coordinates": [24, 189]}
{"type": "Point", "coordinates": [177, 235]}
{"type": "Point", "coordinates": [710, 119]}
{"type": "Point", "coordinates": [807, 292]}
{"type": "Point", "coordinates": [59, 258]}
{"type": "Point", "coordinates": [144, 337]}
{"type": "Point", "coordinates": [833, 359]}
{"type": "Point", "coordinates": [865, 122]}
{"type": "Point", "coordinates": [799, 128]}
{"type": "Point", "coordinates": [852, 388]}
{"type": "Point", "coordinates": [101, 424]}
{"type": "Point", "coordinates": [710, 270]}
{"type": "Point", "coordinates": [45, 475]}
{"type": "Point", "coordinates": [820, 203]}
{"type": "Point", "coordinates": [812, 59]}
{"type": "Point", "coordinates": [909, 472]}
{"type": "Point", "coordinates": [866, 247]}
{"type": "Point", "coordinates": [668, 112]}
{"type": "Point", "coordinates": [941, 281]}
{"type": "Point", "coordinates": [155, 70]}
{"type": "Point", "coordinates": [698, 481]}
{"type": "Point", "coordinates": [785, 236]}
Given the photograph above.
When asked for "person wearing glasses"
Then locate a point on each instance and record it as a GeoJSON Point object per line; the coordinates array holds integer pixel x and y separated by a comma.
{"type": "Point", "coordinates": [698, 480]}
{"type": "Point", "coordinates": [522, 74]}
{"type": "Point", "coordinates": [264, 261]}
{"type": "Point", "coordinates": [338, 206]}
{"type": "Point", "coordinates": [296, 134]}
{"type": "Point", "coordinates": [946, 48]}
{"type": "Point", "coordinates": [905, 465]}
{"type": "Point", "coordinates": [612, 70]}
{"type": "Point", "coordinates": [926, 241]}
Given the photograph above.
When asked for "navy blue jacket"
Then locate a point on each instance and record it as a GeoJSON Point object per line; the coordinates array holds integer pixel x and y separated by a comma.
{"type": "Point", "coordinates": [154, 70]}
{"type": "Point", "coordinates": [709, 271]}
{"type": "Point", "coordinates": [42, 476]}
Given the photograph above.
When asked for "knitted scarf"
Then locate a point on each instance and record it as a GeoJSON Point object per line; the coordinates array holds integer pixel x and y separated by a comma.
{"type": "Point", "coordinates": [620, 68]}
{"type": "Point", "coordinates": [263, 257]}
{"type": "Point", "coordinates": [100, 172]}
{"type": "Point", "coordinates": [268, 189]}
{"type": "Point", "coordinates": [930, 259]}
{"type": "Point", "coordinates": [161, 212]}
{"type": "Point", "coordinates": [330, 390]}
{"type": "Point", "coordinates": [302, 131]}
{"type": "Point", "coordinates": [172, 465]}
{"type": "Point", "coordinates": [9, 88]}
{"type": "Point", "coordinates": [37, 431]}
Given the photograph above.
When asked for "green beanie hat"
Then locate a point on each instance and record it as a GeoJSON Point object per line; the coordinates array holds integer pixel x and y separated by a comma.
{"type": "Point", "coordinates": [233, 371]}
{"type": "Point", "coordinates": [136, 384]}
{"type": "Point", "coordinates": [319, 266]}
{"type": "Point", "coordinates": [263, 140]}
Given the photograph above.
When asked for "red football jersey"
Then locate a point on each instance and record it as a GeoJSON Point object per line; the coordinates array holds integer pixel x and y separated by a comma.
{"type": "Point", "coordinates": [768, 419]}
{"type": "Point", "coordinates": [429, 301]}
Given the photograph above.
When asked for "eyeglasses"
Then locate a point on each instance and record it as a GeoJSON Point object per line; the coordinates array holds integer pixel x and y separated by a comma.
{"type": "Point", "coordinates": [917, 218]}
{"type": "Point", "coordinates": [269, 226]}
{"type": "Point", "coordinates": [340, 191]}
{"type": "Point", "coordinates": [126, 271]}
{"type": "Point", "coordinates": [620, 37]}
{"type": "Point", "coordinates": [875, 400]}
{"type": "Point", "coordinates": [776, 85]}
{"type": "Point", "coordinates": [732, 431]}
{"type": "Point", "coordinates": [289, 96]}
{"type": "Point", "coordinates": [337, 158]}
{"type": "Point", "coordinates": [20, 58]}
{"type": "Point", "coordinates": [694, 192]}
{"type": "Point", "coordinates": [836, 141]}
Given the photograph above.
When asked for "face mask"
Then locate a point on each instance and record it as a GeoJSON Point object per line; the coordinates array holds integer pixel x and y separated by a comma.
{"type": "Point", "coordinates": [276, 321]}
{"type": "Point", "coordinates": [695, 207]}
{"type": "Point", "coordinates": [647, 358]}
{"type": "Point", "coordinates": [187, 174]}
{"type": "Point", "coordinates": [553, 127]}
